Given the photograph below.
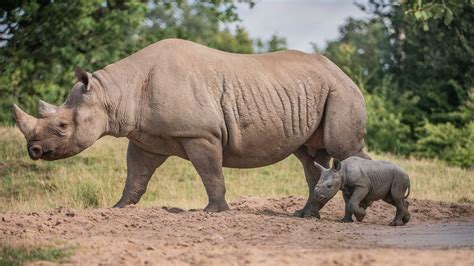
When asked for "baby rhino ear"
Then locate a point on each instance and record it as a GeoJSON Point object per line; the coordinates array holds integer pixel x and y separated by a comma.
{"type": "Point", "coordinates": [336, 165]}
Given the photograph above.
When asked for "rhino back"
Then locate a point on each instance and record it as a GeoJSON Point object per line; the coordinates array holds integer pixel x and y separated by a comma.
{"type": "Point", "coordinates": [379, 175]}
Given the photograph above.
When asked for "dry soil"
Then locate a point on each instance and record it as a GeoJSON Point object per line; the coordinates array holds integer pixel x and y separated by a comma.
{"type": "Point", "coordinates": [256, 231]}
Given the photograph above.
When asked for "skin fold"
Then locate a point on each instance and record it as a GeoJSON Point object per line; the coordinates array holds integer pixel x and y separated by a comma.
{"type": "Point", "coordinates": [362, 182]}
{"type": "Point", "coordinates": [213, 108]}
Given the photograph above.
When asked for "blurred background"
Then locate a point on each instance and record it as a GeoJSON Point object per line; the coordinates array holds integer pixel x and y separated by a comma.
{"type": "Point", "coordinates": [413, 60]}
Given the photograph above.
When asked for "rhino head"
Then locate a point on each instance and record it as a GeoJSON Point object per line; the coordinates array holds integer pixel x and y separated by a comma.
{"type": "Point", "coordinates": [63, 131]}
{"type": "Point", "coordinates": [329, 183]}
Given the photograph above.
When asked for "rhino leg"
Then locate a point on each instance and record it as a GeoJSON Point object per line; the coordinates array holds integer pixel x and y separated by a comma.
{"type": "Point", "coordinates": [354, 202]}
{"type": "Point", "coordinates": [347, 212]}
{"type": "Point", "coordinates": [140, 167]}
{"type": "Point", "coordinates": [206, 157]}
{"type": "Point", "coordinates": [402, 214]}
{"type": "Point", "coordinates": [396, 197]}
{"type": "Point", "coordinates": [312, 175]}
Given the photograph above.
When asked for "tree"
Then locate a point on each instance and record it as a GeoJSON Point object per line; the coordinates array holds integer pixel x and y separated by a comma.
{"type": "Point", "coordinates": [45, 40]}
{"type": "Point", "coordinates": [275, 43]}
{"type": "Point", "coordinates": [414, 62]}
{"type": "Point", "coordinates": [198, 21]}
{"type": "Point", "coordinates": [42, 41]}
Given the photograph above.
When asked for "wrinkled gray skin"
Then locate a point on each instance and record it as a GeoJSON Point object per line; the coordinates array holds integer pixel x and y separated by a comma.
{"type": "Point", "coordinates": [362, 182]}
{"type": "Point", "coordinates": [178, 98]}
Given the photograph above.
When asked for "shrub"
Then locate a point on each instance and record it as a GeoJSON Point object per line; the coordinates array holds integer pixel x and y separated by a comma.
{"type": "Point", "coordinates": [448, 143]}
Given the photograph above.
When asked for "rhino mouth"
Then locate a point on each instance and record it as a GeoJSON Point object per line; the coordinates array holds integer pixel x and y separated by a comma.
{"type": "Point", "coordinates": [47, 154]}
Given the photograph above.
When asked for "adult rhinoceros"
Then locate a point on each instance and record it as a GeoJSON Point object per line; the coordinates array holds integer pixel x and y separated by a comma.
{"type": "Point", "coordinates": [213, 108]}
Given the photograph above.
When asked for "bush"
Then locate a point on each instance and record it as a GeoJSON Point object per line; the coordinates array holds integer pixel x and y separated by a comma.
{"type": "Point", "coordinates": [385, 130]}
{"type": "Point", "coordinates": [448, 143]}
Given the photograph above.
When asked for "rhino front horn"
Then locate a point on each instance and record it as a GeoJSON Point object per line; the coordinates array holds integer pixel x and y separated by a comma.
{"type": "Point", "coordinates": [25, 122]}
{"type": "Point", "coordinates": [45, 108]}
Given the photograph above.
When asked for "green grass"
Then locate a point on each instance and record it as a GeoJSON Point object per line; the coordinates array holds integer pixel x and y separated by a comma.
{"type": "Point", "coordinates": [95, 178]}
{"type": "Point", "coordinates": [10, 255]}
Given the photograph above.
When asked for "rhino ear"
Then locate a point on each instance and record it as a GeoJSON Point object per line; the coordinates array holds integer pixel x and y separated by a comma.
{"type": "Point", "coordinates": [84, 77]}
{"type": "Point", "coordinates": [45, 108]}
{"type": "Point", "coordinates": [336, 165]}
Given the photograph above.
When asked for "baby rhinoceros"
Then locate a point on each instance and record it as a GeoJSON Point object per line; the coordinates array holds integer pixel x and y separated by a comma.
{"type": "Point", "coordinates": [362, 182]}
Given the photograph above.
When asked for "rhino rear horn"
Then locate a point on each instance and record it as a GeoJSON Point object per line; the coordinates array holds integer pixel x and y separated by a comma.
{"type": "Point", "coordinates": [25, 122]}
{"type": "Point", "coordinates": [45, 108]}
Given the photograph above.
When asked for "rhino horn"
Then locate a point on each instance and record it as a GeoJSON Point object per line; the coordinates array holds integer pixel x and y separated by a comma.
{"type": "Point", "coordinates": [320, 167]}
{"type": "Point", "coordinates": [25, 122]}
{"type": "Point", "coordinates": [45, 108]}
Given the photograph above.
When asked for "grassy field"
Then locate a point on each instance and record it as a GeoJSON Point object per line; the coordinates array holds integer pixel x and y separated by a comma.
{"type": "Point", "coordinates": [20, 255]}
{"type": "Point", "coordinates": [95, 178]}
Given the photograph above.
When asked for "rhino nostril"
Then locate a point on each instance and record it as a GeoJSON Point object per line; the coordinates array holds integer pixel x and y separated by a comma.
{"type": "Point", "coordinates": [35, 151]}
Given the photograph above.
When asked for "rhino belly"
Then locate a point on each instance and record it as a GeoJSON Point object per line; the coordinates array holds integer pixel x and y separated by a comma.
{"type": "Point", "coordinates": [260, 151]}
{"type": "Point", "coordinates": [266, 123]}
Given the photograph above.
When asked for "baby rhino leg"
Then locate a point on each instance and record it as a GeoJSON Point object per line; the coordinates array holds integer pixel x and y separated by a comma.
{"type": "Point", "coordinates": [396, 197]}
{"type": "Point", "coordinates": [354, 203]}
{"type": "Point", "coordinates": [347, 211]}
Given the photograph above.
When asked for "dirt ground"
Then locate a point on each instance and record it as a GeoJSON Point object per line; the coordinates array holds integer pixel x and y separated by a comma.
{"type": "Point", "coordinates": [256, 231]}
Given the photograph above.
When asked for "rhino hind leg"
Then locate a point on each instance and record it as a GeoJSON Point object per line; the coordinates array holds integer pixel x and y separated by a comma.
{"type": "Point", "coordinates": [312, 175]}
{"type": "Point", "coordinates": [140, 167]}
{"type": "Point", "coordinates": [402, 216]}
{"type": "Point", "coordinates": [406, 217]}
{"type": "Point", "coordinates": [397, 198]}
{"type": "Point", "coordinates": [206, 157]}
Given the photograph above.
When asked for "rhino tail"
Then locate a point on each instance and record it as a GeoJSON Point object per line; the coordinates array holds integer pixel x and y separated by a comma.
{"type": "Point", "coordinates": [408, 192]}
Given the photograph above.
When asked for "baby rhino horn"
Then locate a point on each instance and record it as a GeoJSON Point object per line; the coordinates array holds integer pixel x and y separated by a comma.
{"type": "Point", "coordinates": [320, 167]}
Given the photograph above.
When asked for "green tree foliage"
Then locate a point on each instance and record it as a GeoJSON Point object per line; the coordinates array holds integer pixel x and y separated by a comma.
{"type": "Point", "coordinates": [46, 40]}
{"type": "Point", "coordinates": [446, 142]}
{"type": "Point", "coordinates": [414, 61]}
{"type": "Point", "coordinates": [198, 21]}
{"type": "Point", "coordinates": [275, 43]}
{"type": "Point", "coordinates": [43, 41]}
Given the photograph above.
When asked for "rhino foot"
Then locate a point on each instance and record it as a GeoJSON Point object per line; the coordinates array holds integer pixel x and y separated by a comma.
{"type": "Point", "coordinates": [360, 218]}
{"type": "Point", "coordinates": [406, 218]}
{"type": "Point", "coordinates": [397, 223]}
{"type": "Point", "coordinates": [217, 206]}
{"type": "Point", "coordinates": [123, 202]}
{"type": "Point", "coordinates": [306, 213]}
{"type": "Point", "coordinates": [347, 220]}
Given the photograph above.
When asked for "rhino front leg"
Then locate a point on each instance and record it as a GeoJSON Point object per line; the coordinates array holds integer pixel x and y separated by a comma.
{"type": "Point", "coordinates": [206, 157]}
{"type": "Point", "coordinates": [312, 175]}
{"type": "Point", "coordinates": [354, 202]}
{"type": "Point", "coordinates": [140, 167]}
{"type": "Point", "coordinates": [347, 211]}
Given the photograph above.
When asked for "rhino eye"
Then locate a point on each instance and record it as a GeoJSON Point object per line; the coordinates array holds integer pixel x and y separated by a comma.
{"type": "Point", "coordinates": [63, 125]}
{"type": "Point", "coordinates": [329, 186]}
